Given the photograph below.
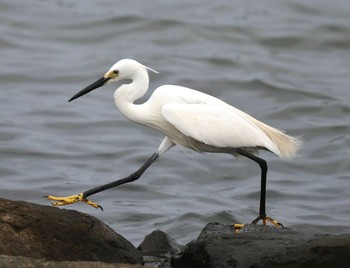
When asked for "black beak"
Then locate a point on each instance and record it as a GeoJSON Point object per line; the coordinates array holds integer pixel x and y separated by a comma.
{"type": "Point", "coordinates": [99, 83]}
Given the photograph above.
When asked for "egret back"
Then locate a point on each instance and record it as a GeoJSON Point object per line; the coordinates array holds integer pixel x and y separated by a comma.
{"type": "Point", "coordinates": [214, 122]}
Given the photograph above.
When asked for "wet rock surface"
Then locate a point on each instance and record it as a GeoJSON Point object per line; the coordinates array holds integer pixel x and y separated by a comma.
{"type": "Point", "coordinates": [42, 236]}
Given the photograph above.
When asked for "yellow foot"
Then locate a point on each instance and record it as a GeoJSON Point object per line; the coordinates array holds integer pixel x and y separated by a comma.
{"type": "Point", "coordinates": [238, 226]}
{"type": "Point", "coordinates": [67, 200]}
{"type": "Point", "coordinates": [267, 219]}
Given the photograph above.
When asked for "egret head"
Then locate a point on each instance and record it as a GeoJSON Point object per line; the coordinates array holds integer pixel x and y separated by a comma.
{"type": "Point", "coordinates": [123, 69]}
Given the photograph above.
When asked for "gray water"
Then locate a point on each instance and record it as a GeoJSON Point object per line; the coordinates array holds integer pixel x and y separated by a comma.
{"type": "Point", "coordinates": [285, 62]}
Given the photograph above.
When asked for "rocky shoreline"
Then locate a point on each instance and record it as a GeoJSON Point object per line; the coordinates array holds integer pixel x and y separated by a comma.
{"type": "Point", "coordinates": [34, 235]}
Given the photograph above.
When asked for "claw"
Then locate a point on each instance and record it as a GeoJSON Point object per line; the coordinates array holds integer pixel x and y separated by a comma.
{"type": "Point", "coordinates": [238, 226]}
{"type": "Point", "coordinates": [269, 219]}
{"type": "Point", "coordinates": [62, 201]}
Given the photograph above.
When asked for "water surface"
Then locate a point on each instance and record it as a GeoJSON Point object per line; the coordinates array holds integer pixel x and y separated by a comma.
{"type": "Point", "coordinates": [286, 63]}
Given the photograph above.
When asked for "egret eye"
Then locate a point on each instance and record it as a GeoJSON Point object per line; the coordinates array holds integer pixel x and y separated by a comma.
{"type": "Point", "coordinates": [116, 72]}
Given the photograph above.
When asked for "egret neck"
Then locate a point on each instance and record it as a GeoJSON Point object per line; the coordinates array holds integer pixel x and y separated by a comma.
{"type": "Point", "coordinates": [126, 94]}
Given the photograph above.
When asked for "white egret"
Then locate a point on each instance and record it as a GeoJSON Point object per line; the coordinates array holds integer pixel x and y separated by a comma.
{"type": "Point", "coordinates": [191, 119]}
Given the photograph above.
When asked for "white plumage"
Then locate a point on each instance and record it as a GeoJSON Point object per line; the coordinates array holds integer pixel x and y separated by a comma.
{"type": "Point", "coordinates": [194, 119]}
{"type": "Point", "coordinates": [189, 118]}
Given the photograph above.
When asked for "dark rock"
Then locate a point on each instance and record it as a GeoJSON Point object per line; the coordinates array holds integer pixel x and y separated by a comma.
{"type": "Point", "coordinates": [26, 262]}
{"type": "Point", "coordinates": [49, 233]}
{"type": "Point", "coordinates": [159, 244]}
{"type": "Point", "coordinates": [158, 247]}
{"type": "Point", "coordinates": [263, 246]}
{"type": "Point", "coordinates": [41, 236]}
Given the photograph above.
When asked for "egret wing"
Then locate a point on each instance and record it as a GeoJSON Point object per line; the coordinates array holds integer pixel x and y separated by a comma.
{"type": "Point", "coordinates": [215, 125]}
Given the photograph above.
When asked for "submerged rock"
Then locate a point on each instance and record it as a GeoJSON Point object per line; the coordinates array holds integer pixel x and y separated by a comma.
{"type": "Point", "coordinates": [49, 233]}
{"type": "Point", "coordinates": [158, 247]}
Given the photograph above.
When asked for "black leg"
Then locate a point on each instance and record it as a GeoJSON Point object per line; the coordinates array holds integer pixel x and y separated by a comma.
{"type": "Point", "coordinates": [263, 165]}
{"type": "Point", "coordinates": [132, 177]}
{"type": "Point", "coordinates": [61, 201]}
